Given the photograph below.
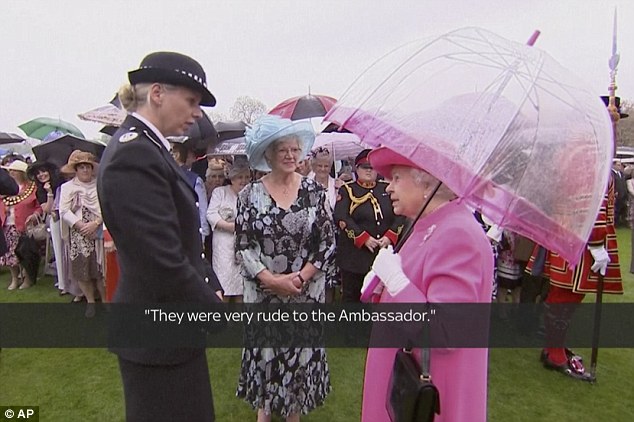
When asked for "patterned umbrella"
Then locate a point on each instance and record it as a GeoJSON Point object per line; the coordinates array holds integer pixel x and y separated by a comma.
{"type": "Point", "coordinates": [107, 115]}
{"type": "Point", "coordinates": [231, 139]}
{"type": "Point", "coordinates": [236, 146]}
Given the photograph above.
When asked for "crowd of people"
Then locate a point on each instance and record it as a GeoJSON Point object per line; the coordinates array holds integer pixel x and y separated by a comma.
{"type": "Point", "coordinates": [275, 226]}
{"type": "Point", "coordinates": [64, 202]}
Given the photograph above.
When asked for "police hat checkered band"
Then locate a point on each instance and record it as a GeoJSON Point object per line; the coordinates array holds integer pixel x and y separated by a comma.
{"type": "Point", "coordinates": [173, 68]}
{"type": "Point", "coordinates": [184, 72]}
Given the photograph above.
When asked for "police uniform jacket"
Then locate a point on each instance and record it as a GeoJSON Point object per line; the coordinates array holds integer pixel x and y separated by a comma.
{"type": "Point", "coordinates": [150, 210]}
{"type": "Point", "coordinates": [363, 211]}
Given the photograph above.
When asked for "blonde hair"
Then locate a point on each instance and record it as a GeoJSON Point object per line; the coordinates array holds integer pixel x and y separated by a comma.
{"type": "Point", "coordinates": [132, 97]}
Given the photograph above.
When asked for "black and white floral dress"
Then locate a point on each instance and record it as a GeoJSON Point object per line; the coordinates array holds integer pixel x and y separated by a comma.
{"type": "Point", "coordinates": [284, 380]}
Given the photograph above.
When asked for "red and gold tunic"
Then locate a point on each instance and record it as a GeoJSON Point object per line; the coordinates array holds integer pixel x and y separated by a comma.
{"type": "Point", "coordinates": [581, 279]}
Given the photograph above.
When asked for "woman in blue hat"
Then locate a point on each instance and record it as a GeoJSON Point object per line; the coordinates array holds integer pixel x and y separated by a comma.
{"type": "Point", "coordinates": [285, 242]}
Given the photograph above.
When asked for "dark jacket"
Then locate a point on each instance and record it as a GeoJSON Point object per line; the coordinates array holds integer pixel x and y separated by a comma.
{"type": "Point", "coordinates": [8, 186]}
{"type": "Point", "coordinates": [150, 210]}
{"type": "Point", "coordinates": [362, 212]}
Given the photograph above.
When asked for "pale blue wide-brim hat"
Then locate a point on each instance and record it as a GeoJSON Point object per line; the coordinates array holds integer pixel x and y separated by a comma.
{"type": "Point", "coordinates": [267, 129]}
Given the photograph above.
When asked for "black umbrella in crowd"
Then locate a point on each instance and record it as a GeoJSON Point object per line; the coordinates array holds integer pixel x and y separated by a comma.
{"type": "Point", "coordinates": [14, 143]}
{"type": "Point", "coordinates": [231, 136]}
{"type": "Point", "coordinates": [202, 135]}
{"type": "Point", "coordinates": [230, 130]}
{"type": "Point", "coordinates": [200, 139]}
{"type": "Point", "coordinates": [58, 150]}
{"type": "Point", "coordinates": [10, 138]}
{"type": "Point", "coordinates": [109, 130]}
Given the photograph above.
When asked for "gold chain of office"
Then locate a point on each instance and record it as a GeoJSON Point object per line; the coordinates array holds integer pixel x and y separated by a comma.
{"type": "Point", "coordinates": [10, 201]}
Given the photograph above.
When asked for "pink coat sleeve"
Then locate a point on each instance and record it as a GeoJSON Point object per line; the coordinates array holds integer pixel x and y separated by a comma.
{"type": "Point", "coordinates": [454, 268]}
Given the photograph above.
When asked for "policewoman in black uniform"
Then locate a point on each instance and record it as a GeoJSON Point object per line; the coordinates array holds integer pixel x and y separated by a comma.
{"type": "Point", "coordinates": [366, 221]}
{"type": "Point", "coordinates": [150, 210]}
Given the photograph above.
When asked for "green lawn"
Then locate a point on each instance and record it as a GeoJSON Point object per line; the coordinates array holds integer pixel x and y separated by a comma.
{"type": "Point", "coordinates": [84, 384]}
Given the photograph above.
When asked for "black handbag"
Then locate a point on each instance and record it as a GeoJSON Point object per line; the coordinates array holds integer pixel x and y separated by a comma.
{"type": "Point", "coordinates": [411, 394]}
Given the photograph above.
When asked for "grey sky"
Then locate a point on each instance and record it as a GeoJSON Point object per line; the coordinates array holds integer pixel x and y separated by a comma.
{"type": "Point", "coordinates": [63, 57]}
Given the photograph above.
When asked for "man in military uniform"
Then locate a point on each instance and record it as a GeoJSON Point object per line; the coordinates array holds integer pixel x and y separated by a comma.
{"type": "Point", "coordinates": [569, 285]}
{"type": "Point", "coordinates": [366, 221]}
{"type": "Point", "coordinates": [150, 209]}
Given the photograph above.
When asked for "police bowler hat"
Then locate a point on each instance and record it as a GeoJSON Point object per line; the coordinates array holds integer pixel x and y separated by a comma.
{"type": "Point", "coordinates": [176, 69]}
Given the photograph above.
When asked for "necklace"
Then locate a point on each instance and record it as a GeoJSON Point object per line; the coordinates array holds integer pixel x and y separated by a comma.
{"type": "Point", "coordinates": [10, 201]}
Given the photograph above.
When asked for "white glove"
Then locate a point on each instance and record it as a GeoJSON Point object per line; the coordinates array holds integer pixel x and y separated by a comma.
{"type": "Point", "coordinates": [601, 259]}
{"type": "Point", "coordinates": [495, 233]}
{"type": "Point", "coordinates": [367, 280]}
{"type": "Point", "coordinates": [388, 267]}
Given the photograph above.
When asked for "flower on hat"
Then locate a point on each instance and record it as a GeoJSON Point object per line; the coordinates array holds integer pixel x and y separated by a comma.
{"type": "Point", "coordinates": [216, 164]}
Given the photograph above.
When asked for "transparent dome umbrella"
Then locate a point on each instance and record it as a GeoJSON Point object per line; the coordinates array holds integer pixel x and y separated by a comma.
{"type": "Point", "coordinates": [507, 128]}
{"type": "Point", "coordinates": [339, 145]}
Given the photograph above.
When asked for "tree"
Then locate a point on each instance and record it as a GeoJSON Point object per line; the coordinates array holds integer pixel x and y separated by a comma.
{"type": "Point", "coordinates": [216, 116]}
{"type": "Point", "coordinates": [247, 109]}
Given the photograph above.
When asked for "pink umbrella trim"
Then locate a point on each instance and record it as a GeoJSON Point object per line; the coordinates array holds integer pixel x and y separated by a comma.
{"type": "Point", "coordinates": [496, 203]}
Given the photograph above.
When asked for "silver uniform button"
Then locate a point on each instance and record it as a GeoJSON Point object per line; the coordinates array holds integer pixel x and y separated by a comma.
{"type": "Point", "coordinates": [206, 279]}
{"type": "Point", "coordinates": [197, 203]}
{"type": "Point", "coordinates": [202, 255]}
{"type": "Point", "coordinates": [200, 231]}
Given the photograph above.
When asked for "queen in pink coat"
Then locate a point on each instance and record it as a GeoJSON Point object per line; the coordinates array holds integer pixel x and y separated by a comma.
{"type": "Point", "coordinates": [447, 259]}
